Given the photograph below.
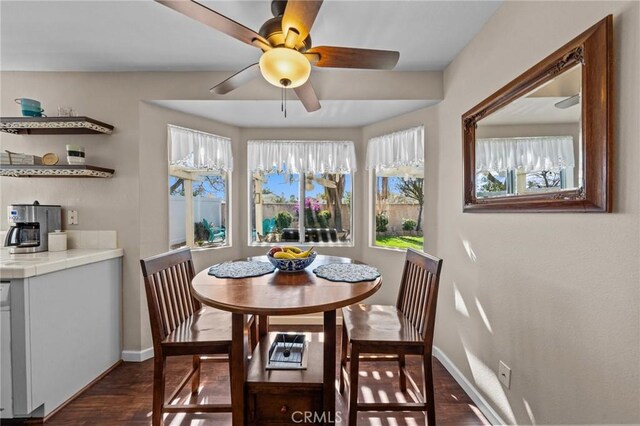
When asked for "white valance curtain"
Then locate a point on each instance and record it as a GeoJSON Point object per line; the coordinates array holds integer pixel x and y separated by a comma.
{"type": "Point", "coordinates": [192, 150]}
{"type": "Point", "coordinates": [301, 156]}
{"type": "Point", "coordinates": [528, 153]}
{"type": "Point", "coordinates": [398, 154]}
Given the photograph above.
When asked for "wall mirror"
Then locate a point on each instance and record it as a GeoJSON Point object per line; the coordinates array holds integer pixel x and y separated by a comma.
{"type": "Point", "coordinates": [543, 142]}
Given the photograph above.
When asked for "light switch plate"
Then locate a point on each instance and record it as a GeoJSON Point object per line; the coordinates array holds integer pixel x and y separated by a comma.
{"type": "Point", "coordinates": [504, 374]}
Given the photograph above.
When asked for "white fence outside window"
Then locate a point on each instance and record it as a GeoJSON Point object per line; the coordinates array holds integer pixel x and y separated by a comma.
{"type": "Point", "coordinates": [203, 208]}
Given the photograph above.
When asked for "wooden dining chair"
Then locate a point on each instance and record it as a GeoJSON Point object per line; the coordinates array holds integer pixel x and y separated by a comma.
{"type": "Point", "coordinates": [181, 326]}
{"type": "Point", "coordinates": [404, 329]}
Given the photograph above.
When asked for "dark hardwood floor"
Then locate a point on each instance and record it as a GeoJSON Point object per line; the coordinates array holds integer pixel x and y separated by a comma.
{"type": "Point", "coordinates": [124, 397]}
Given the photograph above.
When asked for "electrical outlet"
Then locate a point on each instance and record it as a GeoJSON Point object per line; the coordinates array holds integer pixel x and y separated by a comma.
{"type": "Point", "coordinates": [504, 374]}
{"type": "Point", "coordinates": [72, 217]}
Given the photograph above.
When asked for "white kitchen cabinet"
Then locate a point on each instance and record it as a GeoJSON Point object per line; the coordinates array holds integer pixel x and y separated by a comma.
{"type": "Point", "coordinates": [65, 331]}
{"type": "Point", "coordinates": [6, 402]}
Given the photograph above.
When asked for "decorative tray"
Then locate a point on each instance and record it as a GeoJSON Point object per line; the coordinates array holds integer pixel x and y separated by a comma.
{"type": "Point", "coordinates": [288, 352]}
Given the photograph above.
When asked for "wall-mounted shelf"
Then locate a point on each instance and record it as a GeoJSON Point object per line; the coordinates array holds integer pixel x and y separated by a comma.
{"type": "Point", "coordinates": [54, 126]}
{"type": "Point", "coordinates": [56, 171]}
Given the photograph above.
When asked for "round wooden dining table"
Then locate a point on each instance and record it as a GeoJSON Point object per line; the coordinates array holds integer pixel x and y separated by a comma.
{"type": "Point", "coordinates": [275, 294]}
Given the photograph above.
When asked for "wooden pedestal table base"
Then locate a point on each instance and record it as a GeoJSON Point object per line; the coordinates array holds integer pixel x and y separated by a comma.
{"type": "Point", "coordinates": [280, 293]}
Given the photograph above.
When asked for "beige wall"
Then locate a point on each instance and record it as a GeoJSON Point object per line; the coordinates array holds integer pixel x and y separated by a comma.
{"type": "Point", "coordinates": [389, 261]}
{"type": "Point", "coordinates": [154, 212]}
{"type": "Point", "coordinates": [522, 130]}
{"type": "Point", "coordinates": [128, 202]}
{"type": "Point", "coordinates": [555, 296]}
{"type": "Point", "coordinates": [101, 203]}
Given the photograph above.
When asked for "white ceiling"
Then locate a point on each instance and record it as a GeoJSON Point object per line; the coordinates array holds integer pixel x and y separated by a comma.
{"type": "Point", "coordinates": [93, 35]}
{"type": "Point", "coordinates": [538, 106]}
{"type": "Point", "coordinates": [268, 113]}
{"type": "Point", "coordinates": [540, 110]}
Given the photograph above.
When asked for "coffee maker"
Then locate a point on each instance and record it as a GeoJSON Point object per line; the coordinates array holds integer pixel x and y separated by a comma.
{"type": "Point", "coordinates": [29, 226]}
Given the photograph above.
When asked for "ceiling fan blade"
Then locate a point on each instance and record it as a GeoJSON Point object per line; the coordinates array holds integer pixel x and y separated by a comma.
{"type": "Point", "coordinates": [210, 17]}
{"type": "Point", "coordinates": [299, 15]}
{"type": "Point", "coordinates": [238, 79]}
{"type": "Point", "coordinates": [308, 96]}
{"type": "Point", "coordinates": [351, 57]}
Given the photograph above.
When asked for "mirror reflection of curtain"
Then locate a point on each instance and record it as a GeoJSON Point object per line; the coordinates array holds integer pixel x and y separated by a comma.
{"type": "Point", "coordinates": [530, 154]}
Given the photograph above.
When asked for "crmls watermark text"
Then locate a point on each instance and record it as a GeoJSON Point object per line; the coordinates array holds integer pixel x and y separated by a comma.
{"type": "Point", "coordinates": [315, 417]}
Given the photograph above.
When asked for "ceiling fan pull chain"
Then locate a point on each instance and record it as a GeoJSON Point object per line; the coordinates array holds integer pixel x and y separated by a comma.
{"type": "Point", "coordinates": [284, 89]}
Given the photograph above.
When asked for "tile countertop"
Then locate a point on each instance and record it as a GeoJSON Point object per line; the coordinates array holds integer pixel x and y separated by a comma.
{"type": "Point", "coordinates": [34, 264]}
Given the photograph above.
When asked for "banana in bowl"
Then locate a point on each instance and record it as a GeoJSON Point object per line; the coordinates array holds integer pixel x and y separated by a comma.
{"type": "Point", "coordinates": [291, 258]}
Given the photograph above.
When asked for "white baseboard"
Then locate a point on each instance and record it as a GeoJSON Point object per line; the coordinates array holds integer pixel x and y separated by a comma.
{"type": "Point", "coordinates": [137, 356]}
{"type": "Point", "coordinates": [482, 404]}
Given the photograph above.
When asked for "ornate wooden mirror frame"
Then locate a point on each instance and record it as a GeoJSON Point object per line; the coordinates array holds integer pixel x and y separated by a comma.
{"type": "Point", "coordinates": [594, 50]}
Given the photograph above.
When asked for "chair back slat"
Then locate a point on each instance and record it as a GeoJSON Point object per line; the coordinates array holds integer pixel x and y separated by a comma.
{"type": "Point", "coordinates": [167, 279]}
{"type": "Point", "coordinates": [418, 293]}
{"type": "Point", "coordinates": [166, 296]}
{"type": "Point", "coordinates": [430, 305]}
{"type": "Point", "coordinates": [173, 297]}
{"type": "Point", "coordinates": [177, 296]}
{"type": "Point", "coordinates": [158, 299]}
{"type": "Point", "coordinates": [413, 295]}
{"type": "Point", "coordinates": [422, 294]}
{"type": "Point", "coordinates": [183, 291]}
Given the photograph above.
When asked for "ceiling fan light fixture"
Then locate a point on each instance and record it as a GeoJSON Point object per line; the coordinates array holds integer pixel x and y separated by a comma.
{"type": "Point", "coordinates": [282, 64]}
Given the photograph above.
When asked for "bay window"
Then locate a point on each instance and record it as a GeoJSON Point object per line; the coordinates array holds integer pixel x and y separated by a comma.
{"type": "Point", "coordinates": [301, 191]}
{"type": "Point", "coordinates": [200, 166]}
{"type": "Point", "coordinates": [524, 165]}
{"type": "Point", "coordinates": [396, 165]}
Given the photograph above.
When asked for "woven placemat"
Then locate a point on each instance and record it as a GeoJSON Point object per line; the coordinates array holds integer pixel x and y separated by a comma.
{"type": "Point", "coordinates": [241, 269]}
{"type": "Point", "coordinates": [347, 272]}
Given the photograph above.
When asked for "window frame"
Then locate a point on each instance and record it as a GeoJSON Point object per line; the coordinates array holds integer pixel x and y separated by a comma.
{"type": "Point", "coordinates": [399, 152]}
{"type": "Point", "coordinates": [301, 226]}
{"type": "Point", "coordinates": [514, 175]}
{"type": "Point", "coordinates": [373, 189]}
{"type": "Point", "coordinates": [228, 198]}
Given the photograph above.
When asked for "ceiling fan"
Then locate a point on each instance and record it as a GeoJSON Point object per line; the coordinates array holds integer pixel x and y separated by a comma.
{"type": "Point", "coordinates": [286, 45]}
